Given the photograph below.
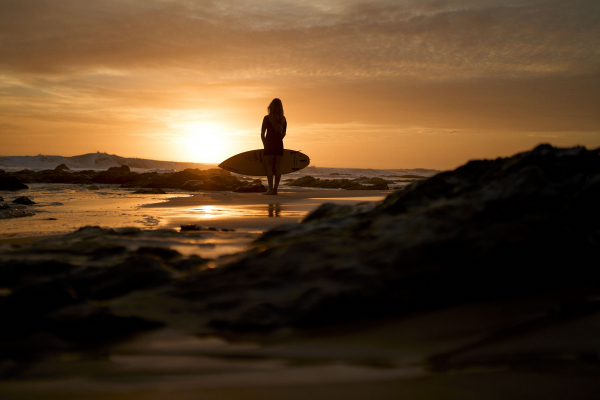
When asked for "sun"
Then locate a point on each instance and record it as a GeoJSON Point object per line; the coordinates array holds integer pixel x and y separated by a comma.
{"type": "Point", "coordinates": [205, 142]}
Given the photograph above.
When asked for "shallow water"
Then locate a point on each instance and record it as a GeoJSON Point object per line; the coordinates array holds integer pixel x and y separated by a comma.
{"type": "Point", "coordinates": [63, 208]}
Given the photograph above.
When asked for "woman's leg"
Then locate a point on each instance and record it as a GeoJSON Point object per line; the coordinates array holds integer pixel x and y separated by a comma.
{"type": "Point", "coordinates": [268, 161]}
{"type": "Point", "coordinates": [277, 167]}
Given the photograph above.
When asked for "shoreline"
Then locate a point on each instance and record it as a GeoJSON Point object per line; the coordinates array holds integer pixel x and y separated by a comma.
{"type": "Point", "coordinates": [114, 207]}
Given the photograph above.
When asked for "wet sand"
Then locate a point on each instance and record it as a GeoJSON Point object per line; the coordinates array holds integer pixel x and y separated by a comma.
{"type": "Point", "coordinates": [252, 212]}
{"type": "Point", "coordinates": [116, 207]}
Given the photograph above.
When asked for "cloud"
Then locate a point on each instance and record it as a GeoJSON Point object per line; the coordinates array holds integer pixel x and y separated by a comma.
{"type": "Point", "coordinates": [240, 40]}
{"type": "Point", "coordinates": [346, 69]}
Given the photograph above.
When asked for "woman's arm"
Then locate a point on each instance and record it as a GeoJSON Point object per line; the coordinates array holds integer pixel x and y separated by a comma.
{"type": "Point", "coordinates": [284, 128]}
{"type": "Point", "coordinates": [263, 129]}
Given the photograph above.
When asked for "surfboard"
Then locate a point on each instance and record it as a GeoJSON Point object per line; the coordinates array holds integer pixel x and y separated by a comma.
{"type": "Point", "coordinates": [251, 162]}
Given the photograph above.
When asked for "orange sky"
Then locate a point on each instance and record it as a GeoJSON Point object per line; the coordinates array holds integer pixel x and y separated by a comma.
{"type": "Point", "coordinates": [381, 84]}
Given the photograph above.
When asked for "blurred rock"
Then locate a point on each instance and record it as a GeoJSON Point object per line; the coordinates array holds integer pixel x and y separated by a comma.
{"type": "Point", "coordinates": [255, 188]}
{"type": "Point", "coordinates": [489, 230]}
{"type": "Point", "coordinates": [150, 191]}
{"type": "Point", "coordinates": [347, 184]}
{"type": "Point", "coordinates": [9, 212]}
{"type": "Point", "coordinates": [191, 227]}
{"type": "Point", "coordinates": [24, 200]}
{"type": "Point", "coordinates": [61, 167]}
{"type": "Point", "coordinates": [172, 181]}
{"type": "Point", "coordinates": [11, 183]}
{"type": "Point", "coordinates": [122, 168]}
{"type": "Point", "coordinates": [89, 324]}
{"type": "Point", "coordinates": [93, 187]}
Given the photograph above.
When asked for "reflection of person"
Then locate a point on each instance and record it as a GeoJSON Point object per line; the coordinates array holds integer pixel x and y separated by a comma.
{"type": "Point", "coordinates": [275, 126]}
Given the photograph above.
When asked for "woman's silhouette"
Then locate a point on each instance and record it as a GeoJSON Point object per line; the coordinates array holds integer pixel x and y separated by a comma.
{"type": "Point", "coordinates": [275, 126]}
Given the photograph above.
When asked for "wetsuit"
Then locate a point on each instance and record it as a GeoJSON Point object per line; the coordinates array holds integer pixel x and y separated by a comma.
{"type": "Point", "coordinates": [273, 141]}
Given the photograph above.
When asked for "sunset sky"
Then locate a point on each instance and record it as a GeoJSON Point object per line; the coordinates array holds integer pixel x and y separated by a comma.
{"type": "Point", "coordinates": [381, 84]}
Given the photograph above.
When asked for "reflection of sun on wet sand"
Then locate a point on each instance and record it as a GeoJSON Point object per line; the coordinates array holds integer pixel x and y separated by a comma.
{"type": "Point", "coordinates": [253, 212]}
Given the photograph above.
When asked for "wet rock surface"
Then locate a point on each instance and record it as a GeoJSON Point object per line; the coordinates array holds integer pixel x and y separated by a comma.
{"type": "Point", "coordinates": [62, 167]}
{"type": "Point", "coordinates": [8, 182]}
{"type": "Point", "coordinates": [348, 184]}
{"type": "Point", "coordinates": [254, 188]}
{"type": "Point", "coordinates": [150, 191]}
{"type": "Point", "coordinates": [189, 179]}
{"type": "Point", "coordinates": [52, 287]}
{"type": "Point", "coordinates": [490, 229]}
{"type": "Point", "coordinates": [24, 200]}
{"type": "Point", "coordinates": [14, 211]}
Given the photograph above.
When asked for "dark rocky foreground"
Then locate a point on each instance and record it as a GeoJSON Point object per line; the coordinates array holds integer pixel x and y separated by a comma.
{"type": "Point", "coordinates": [494, 230]}
{"type": "Point", "coordinates": [490, 229]}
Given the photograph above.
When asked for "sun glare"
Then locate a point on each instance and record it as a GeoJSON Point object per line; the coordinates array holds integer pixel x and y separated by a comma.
{"type": "Point", "coordinates": [205, 142]}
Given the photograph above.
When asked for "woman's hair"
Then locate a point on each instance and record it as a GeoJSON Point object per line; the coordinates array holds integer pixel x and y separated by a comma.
{"type": "Point", "coordinates": [276, 117]}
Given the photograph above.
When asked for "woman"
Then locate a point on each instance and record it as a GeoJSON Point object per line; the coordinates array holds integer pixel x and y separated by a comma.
{"type": "Point", "coordinates": [275, 126]}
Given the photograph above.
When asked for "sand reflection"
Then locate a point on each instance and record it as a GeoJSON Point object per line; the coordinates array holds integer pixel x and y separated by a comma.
{"type": "Point", "coordinates": [275, 210]}
{"type": "Point", "coordinates": [212, 212]}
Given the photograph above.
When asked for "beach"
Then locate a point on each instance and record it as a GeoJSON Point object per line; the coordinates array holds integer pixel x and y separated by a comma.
{"type": "Point", "coordinates": [477, 283]}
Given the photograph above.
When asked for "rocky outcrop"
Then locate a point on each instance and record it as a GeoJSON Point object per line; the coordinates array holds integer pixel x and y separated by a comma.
{"type": "Point", "coordinates": [150, 191]}
{"type": "Point", "coordinates": [8, 211]}
{"type": "Point", "coordinates": [489, 230]}
{"type": "Point", "coordinates": [11, 183]}
{"type": "Point", "coordinates": [189, 179]}
{"type": "Point", "coordinates": [122, 168]}
{"type": "Point", "coordinates": [24, 200]}
{"type": "Point", "coordinates": [348, 184]}
{"type": "Point", "coordinates": [52, 287]}
{"type": "Point", "coordinates": [213, 183]}
{"type": "Point", "coordinates": [62, 167]}
{"type": "Point", "coordinates": [254, 188]}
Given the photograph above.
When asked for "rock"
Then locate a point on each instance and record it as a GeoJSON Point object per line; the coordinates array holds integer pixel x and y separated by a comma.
{"type": "Point", "coordinates": [24, 200]}
{"type": "Point", "coordinates": [256, 181]}
{"type": "Point", "coordinates": [119, 175]}
{"type": "Point", "coordinates": [11, 183]}
{"type": "Point", "coordinates": [62, 167]}
{"type": "Point", "coordinates": [93, 187]}
{"type": "Point", "coordinates": [192, 186]}
{"type": "Point", "coordinates": [122, 168]}
{"type": "Point", "coordinates": [256, 188]}
{"type": "Point", "coordinates": [135, 273]}
{"type": "Point", "coordinates": [372, 181]}
{"type": "Point", "coordinates": [213, 183]}
{"type": "Point", "coordinates": [7, 211]}
{"type": "Point", "coordinates": [150, 191]}
{"type": "Point", "coordinates": [173, 181]}
{"type": "Point", "coordinates": [1, 198]}
{"type": "Point", "coordinates": [89, 324]}
{"type": "Point", "coordinates": [191, 227]}
{"type": "Point", "coordinates": [347, 184]}
{"type": "Point", "coordinates": [209, 172]}
{"type": "Point", "coordinates": [488, 230]}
